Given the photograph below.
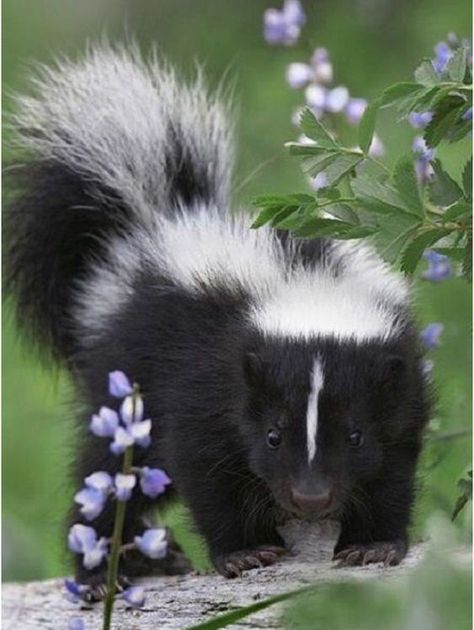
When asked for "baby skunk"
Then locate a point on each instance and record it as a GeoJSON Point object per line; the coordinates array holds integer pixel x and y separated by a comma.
{"type": "Point", "coordinates": [283, 376]}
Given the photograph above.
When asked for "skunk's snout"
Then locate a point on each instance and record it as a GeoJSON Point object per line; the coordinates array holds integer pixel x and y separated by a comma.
{"type": "Point", "coordinates": [315, 503]}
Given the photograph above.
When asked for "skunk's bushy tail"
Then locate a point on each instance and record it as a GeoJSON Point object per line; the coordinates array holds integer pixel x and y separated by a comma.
{"type": "Point", "coordinates": [103, 146]}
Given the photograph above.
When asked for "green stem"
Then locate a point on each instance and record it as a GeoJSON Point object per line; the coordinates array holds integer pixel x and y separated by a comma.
{"type": "Point", "coordinates": [112, 571]}
{"type": "Point", "coordinates": [115, 548]}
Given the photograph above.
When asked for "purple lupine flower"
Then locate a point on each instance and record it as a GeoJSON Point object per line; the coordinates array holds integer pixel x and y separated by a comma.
{"type": "Point", "coordinates": [131, 410]}
{"type": "Point", "coordinates": [101, 481]}
{"type": "Point", "coordinates": [443, 54]}
{"type": "Point", "coordinates": [124, 485]}
{"type": "Point", "coordinates": [153, 481]}
{"type": "Point", "coordinates": [377, 148]}
{"type": "Point", "coordinates": [430, 335]}
{"type": "Point", "coordinates": [119, 385]}
{"type": "Point", "coordinates": [318, 181]}
{"type": "Point", "coordinates": [337, 99]}
{"type": "Point", "coordinates": [76, 624]}
{"type": "Point", "coordinates": [284, 27]}
{"type": "Point", "coordinates": [298, 75]}
{"type": "Point", "coordinates": [135, 433]}
{"type": "Point", "coordinates": [105, 423]}
{"type": "Point", "coordinates": [355, 109]}
{"type": "Point", "coordinates": [315, 96]}
{"type": "Point", "coordinates": [419, 146]}
{"type": "Point", "coordinates": [153, 543]}
{"type": "Point", "coordinates": [140, 432]}
{"type": "Point", "coordinates": [423, 167]}
{"type": "Point", "coordinates": [419, 120]}
{"type": "Point", "coordinates": [294, 12]}
{"type": "Point", "coordinates": [467, 114]}
{"type": "Point", "coordinates": [134, 596]}
{"type": "Point", "coordinates": [439, 267]}
{"type": "Point", "coordinates": [320, 55]}
{"type": "Point", "coordinates": [122, 440]}
{"type": "Point", "coordinates": [92, 502]}
{"type": "Point", "coordinates": [83, 540]}
{"type": "Point", "coordinates": [322, 67]}
{"type": "Point", "coordinates": [74, 591]}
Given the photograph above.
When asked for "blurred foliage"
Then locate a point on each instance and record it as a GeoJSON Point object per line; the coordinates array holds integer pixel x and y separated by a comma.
{"type": "Point", "coordinates": [373, 43]}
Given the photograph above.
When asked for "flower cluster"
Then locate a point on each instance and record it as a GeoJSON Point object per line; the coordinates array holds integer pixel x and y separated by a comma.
{"type": "Point", "coordinates": [316, 78]}
{"type": "Point", "coordinates": [419, 120]}
{"type": "Point", "coordinates": [284, 26]}
{"type": "Point", "coordinates": [126, 428]}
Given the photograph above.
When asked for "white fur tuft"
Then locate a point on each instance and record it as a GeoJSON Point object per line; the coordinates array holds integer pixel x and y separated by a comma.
{"type": "Point", "coordinates": [317, 383]}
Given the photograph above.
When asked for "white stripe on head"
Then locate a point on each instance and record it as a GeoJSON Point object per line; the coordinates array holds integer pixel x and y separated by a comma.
{"type": "Point", "coordinates": [317, 382]}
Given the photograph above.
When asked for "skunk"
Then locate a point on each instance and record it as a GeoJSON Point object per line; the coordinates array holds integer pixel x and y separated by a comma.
{"type": "Point", "coordinates": [284, 377]}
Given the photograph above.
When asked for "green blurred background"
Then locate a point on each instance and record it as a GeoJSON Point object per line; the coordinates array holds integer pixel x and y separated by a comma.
{"type": "Point", "coordinates": [372, 43]}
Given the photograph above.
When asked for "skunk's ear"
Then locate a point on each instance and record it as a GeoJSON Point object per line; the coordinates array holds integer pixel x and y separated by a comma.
{"type": "Point", "coordinates": [253, 369]}
{"type": "Point", "coordinates": [393, 369]}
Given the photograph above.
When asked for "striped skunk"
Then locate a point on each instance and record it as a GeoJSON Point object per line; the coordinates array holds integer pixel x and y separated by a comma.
{"type": "Point", "coordinates": [283, 376]}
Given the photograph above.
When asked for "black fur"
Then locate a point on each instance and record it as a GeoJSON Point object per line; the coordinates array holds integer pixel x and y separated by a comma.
{"type": "Point", "coordinates": [214, 385]}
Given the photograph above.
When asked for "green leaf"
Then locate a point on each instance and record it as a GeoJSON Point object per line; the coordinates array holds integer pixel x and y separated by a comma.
{"type": "Point", "coordinates": [429, 99]}
{"type": "Point", "coordinates": [265, 216]}
{"type": "Point", "coordinates": [456, 66]}
{"type": "Point", "coordinates": [379, 197]}
{"type": "Point", "coordinates": [264, 201]}
{"type": "Point", "coordinates": [414, 102]}
{"type": "Point", "coordinates": [414, 250]}
{"type": "Point", "coordinates": [303, 149]}
{"type": "Point", "coordinates": [292, 220]}
{"type": "Point", "coordinates": [323, 227]}
{"type": "Point", "coordinates": [396, 229]}
{"type": "Point", "coordinates": [367, 125]}
{"type": "Point", "coordinates": [315, 165]}
{"type": "Point", "coordinates": [312, 128]}
{"type": "Point", "coordinates": [443, 190]}
{"type": "Point", "coordinates": [465, 488]}
{"type": "Point", "coordinates": [341, 166]}
{"type": "Point", "coordinates": [405, 181]}
{"type": "Point", "coordinates": [343, 212]}
{"type": "Point", "coordinates": [467, 262]}
{"type": "Point", "coordinates": [279, 217]}
{"type": "Point", "coordinates": [426, 74]}
{"type": "Point", "coordinates": [398, 91]}
{"type": "Point", "coordinates": [359, 231]}
{"type": "Point", "coordinates": [458, 211]}
{"type": "Point", "coordinates": [467, 179]}
{"type": "Point", "coordinates": [456, 253]}
{"type": "Point", "coordinates": [442, 121]}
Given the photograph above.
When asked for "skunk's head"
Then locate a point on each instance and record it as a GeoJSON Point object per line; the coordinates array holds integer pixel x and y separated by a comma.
{"type": "Point", "coordinates": [322, 417]}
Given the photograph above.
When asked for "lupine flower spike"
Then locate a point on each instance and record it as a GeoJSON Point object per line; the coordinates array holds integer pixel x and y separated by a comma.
{"type": "Point", "coordinates": [126, 428]}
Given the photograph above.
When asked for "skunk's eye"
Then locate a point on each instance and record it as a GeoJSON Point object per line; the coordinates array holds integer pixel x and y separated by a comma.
{"type": "Point", "coordinates": [356, 439]}
{"type": "Point", "coordinates": [274, 438]}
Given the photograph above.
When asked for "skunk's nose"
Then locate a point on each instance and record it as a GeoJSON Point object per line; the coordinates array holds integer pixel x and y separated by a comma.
{"type": "Point", "coordinates": [311, 503]}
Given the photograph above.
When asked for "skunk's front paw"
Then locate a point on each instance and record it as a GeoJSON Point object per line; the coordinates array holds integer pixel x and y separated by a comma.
{"type": "Point", "coordinates": [390, 553]}
{"type": "Point", "coordinates": [231, 565]}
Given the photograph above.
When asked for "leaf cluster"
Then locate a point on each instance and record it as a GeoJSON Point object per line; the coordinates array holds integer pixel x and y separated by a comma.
{"type": "Point", "coordinates": [363, 198]}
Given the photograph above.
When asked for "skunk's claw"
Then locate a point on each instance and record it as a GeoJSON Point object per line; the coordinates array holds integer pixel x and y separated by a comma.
{"type": "Point", "coordinates": [390, 553]}
{"type": "Point", "coordinates": [231, 565]}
